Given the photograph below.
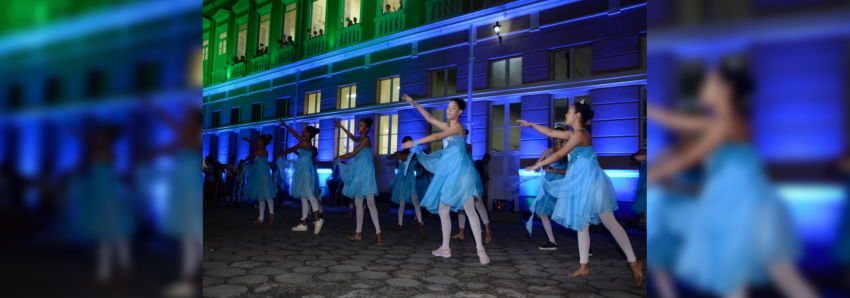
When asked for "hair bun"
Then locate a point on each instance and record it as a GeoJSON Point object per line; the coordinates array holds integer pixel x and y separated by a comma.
{"type": "Point", "coordinates": [368, 121]}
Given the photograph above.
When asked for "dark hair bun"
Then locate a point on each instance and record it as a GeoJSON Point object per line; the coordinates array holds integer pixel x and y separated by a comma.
{"type": "Point", "coordinates": [368, 121]}
{"type": "Point", "coordinates": [736, 73]}
{"type": "Point", "coordinates": [465, 131]}
{"type": "Point", "coordinates": [460, 103]}
{"type": "Point", "coordinates": [406, 138]}
{"type": "Point", "coordinates": [267, 138]}
{"type": "Point", "coordinates": [313, 131]}
{"type": "Point", "coordinates": [584, 110]}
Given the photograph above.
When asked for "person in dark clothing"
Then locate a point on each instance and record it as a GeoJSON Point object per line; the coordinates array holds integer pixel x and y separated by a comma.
{"type": "Point", "coordinates": [482, 172]}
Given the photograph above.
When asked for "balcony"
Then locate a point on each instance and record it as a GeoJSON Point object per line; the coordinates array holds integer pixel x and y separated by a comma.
{"type": "Point", "coordinates": [389, 23]}
{"type": "Point", "coordinates": [438, 10]}
{"type": "Point", "coordinates": [348, 36]}
{"type": "Point", "coordinates": [218, 76]}
{"type": "Point", "coordinates": [314, 46]}
{"type": "Point", "coordinates": [283, 56]}
{"type": "Point", "coordinates": [260, 63]}
{"type": "Point", "coordinates": [237, 70]}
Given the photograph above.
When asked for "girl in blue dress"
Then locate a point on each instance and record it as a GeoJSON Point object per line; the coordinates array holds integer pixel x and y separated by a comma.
{"type": "Point", "coordinates": [318, 189]}
{"type": "Point", "coordinates": [358, 176]}
{"type": "Point", "coordinates": [585, 195]}
{"type": "Point", "coordinates": [544, 203]}
{"type": "Point", "coordinates": [453, 186]}
{"type": "Point", "coordinates": [479, 203]}
{"type": "Point", "coordinates": [639, 205]}
{"type": "Point", "coordinates": [404, 185]}
{"type": "Point", "coordinates": [304, 176]}
{"type": "Point", "coordinates": [738, 234]}
{"type": "Point", "coordinates": [260, 186]}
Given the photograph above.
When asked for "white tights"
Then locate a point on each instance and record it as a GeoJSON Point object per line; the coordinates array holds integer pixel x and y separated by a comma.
{"type": "Point", "coordinates": [446, 223]}
{"type": "Point", "coordinates": [370, 202]}
{"type": "Point", "coordinates": [104, 257]}
{"type": "Point", "coordinates": [616, 230]}
{"type": "Point", "coordinates": [263, 208]}
{"type": "Point", "coordinates": [192, 252]}
{"type": "Point", "coordinates": [547, 225]}
{"type": "Point", "coordinates": [305, 208]}
{"type": "Point", "coordinates": [482, 212]}
{"type": "Point", "coordinates": [415, 208]}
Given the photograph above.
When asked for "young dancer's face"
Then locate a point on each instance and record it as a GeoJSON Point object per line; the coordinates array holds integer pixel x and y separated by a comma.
{"type": "Point", "coordinates": [305, 134]}
{"type": "Point", "coordinates": [453, 111]}
{"type": "Point", "coordinates": [571, 115]}
{"type": "Point", "coordinates": [261, 142]}
{"type": "Point", "coordinates": [362, 128]}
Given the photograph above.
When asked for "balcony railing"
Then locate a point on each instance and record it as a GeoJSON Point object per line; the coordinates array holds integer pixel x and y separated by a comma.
{"type": "Point", "coordinates": [389, 23]}
{"type": "Point", "coordinates": [283, 56]}
{"type": "Point", "coordinates": [348, 36]}
{"type": "Point", "coordinates": [314, 46]}
{"type": "Point", "coordinates": [237, 70]}
{"type": "Point", "coordinates": [218, 76]}
{"type": "Point", "coordinates": [436, 10]}
{"type": "Point", "coordinates": [260, 63]}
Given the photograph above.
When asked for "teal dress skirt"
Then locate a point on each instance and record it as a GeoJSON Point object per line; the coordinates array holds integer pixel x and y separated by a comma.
{"type": "Point", "coordinates": [358, 176]}
{"type": "Point", "coordinates": [454, 179]}
{"type": "Point", "coordinates": [304, 179]}
{"type": "Point", "coordinates": [544, 203]}
{"type": "Point", "coordinates": [639, 205]}
{"type": "Point", "coordinates": [184, 214]}
{"type": "Point", "coordinates": [259, 186]}
{"type": "Point", "coordinates": [404, 183]}
{"type": "Point", "coordinates": [583, 193]}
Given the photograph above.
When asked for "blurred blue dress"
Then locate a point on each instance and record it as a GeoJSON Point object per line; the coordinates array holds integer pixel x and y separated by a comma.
{"type": "Point", "coordinates": [105, 213]}
{"type": "Point", "coordinates": [739, 228]}
{"type": "Point", "coordinates": [544, 203]}
{"type": "Point", "coordinates": [421, 183]}
{"type": "Point", "coordinates": [583, 193]}
{"type": "Point", "coordinates": [318, 187]}
{"type": "Point", "coordinates": [454, 179]}
{"type": "Point", "coordinates": [639, 205]}
{"type": "Point", "coordinates": [672, 208]}
{"type": "Point", "coordinates": [260, 186]}
{"type": "Point", "coordinates": [478, 185]}
{"type": "Point", "coordinates": [841, 253]}
{"type": "Point", "coordinates": [358, 176]}
{"type": "Point", "coordinates": [304, 181]}
{"type": "Point", "coordinates": [404, 183]}
{"type": "Point", "coordinates": [184, 215]}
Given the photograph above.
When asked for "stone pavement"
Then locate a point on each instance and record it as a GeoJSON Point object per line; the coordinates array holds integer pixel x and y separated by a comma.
{"type": "Point", "coordinates": [245, 260]}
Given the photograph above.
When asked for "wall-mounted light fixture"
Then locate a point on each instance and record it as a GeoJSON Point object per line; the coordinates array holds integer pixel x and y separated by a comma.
{"type": "Point", "coordinates": [498, 29]}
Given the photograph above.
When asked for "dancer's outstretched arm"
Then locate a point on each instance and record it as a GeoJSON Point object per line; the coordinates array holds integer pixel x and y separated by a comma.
{"type": "Point", "coordinates": [452, 130]}
{"type": "Point", "coordinates": [558, 134]}
{"type": "Point", "coordinates": [366, 141]}
{"type": "Point", "coordinates": [574, 141]}
{"type": "Point", "coordinates": [291, 131]}
{"type": "Point", "coordinates": [294, 149]}
{"type": "Point", "coordinates": [442, 125]}
{"type": "Point", "coordinates": [350, 135]}
{"type": "Point", "coordinates": [677, 122]}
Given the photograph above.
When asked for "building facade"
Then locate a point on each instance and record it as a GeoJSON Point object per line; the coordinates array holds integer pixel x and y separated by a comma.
{"type": "Point", "coordinates": [510, 60]}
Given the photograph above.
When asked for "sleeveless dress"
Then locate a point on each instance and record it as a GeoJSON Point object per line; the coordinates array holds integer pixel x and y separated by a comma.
{"type": "Point", "coordinates": [304, 181]}
{"type": "Point", "coordinates": [544, 203]}
{"type": "Point", "coordinates": [672, 209]}
{"type": "Point", "coordinates": [404, 183]}
{"type": "Point", "coordinates": [358, 176]}
{"type": "Point", "coordinates": [454, 175]}
{"type": "Point", "coordinates": [184, 214]}
{"type": "Point", "coordinates": [740, 226]}
{"type": "Point", "coordinates": [260, 185]}
{"type": "Point", "coordinates": [639, 205]}
{"type": "Point", "coordinates": [422, 183]}
{"type": "Point", "coordinates": [104, 213]}
{"type": "Point", "coordinates": [583, 193]}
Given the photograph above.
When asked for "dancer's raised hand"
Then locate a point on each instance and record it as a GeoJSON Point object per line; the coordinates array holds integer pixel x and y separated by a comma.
{"type": "Point", "coordinates": [407, 98]}
{"type": "Point", "coordinates": [523, 123]}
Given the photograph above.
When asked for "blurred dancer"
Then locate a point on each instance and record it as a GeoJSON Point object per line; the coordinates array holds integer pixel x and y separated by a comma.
{"type": "Point", "coordinates": [479, 203]}
{"type": "Point", "coordinates": [359, 176]}
{"type": "Point", "coordinates": [454, 184]}
{"type": "Point", "coordinates": [739, 234]}
{"type": "Point", "coordinates": [639, 205]}
{"type": "Point", "coordinates": [404, 185]}
{"type": "Point", "coordinates": [586, 195]}
{"type": "Point", "coordinates": [304, 182]}
{"type": "Point", "coordinates": [230, 179]}
{"type": "Point", "coordinates": [260, 185]}
{"type": "Point", "coordinates": [544, 203]}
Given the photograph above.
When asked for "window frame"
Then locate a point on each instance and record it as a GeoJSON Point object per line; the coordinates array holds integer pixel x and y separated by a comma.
{"type": "Point", "coordinates": [241, 40]}
{"type": "Point", "coordinates": [392, 135]}
{"type": "Point", "coordinates": [285, 105]}
{"type": "Point", "coordinates": [262, 110]}
{"type": "Point", "coordinates": [222, 43]}
{"type": "Point", "coordinates": [216, 115]}
{"type": "Point", "coordinates": [268, 23]}
{"type": "Point", "coordinates": [438, 114]}
{"type": "Point", "coordinates": [352, 100]}
{"type": "Point", "coordinates": [323, 18]}
{"type": "Point", "coordinates": [391, 79]}
{"type": "Point", "coordinates": [342, 13]}
{"type": "Point", "coordinates": [294, 23]}
{"type": "Point", "coordinates": [445, 81]}
{"type": "Point", "coordinates": [318, 102]}
{"type": "Point", "coordinates": [507, 71]}
{"type": "Point", "coordinates": [238, 115]}
{"type": "Point", "coordinates": [642, 120]}
{"type": "Point", "coordinates": [571, 62]}
{"type": "Point", "coordinates": [342, 139]}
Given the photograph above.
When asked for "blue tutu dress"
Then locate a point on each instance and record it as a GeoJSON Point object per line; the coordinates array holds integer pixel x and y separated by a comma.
{"type": "Point", "coordinates": [404, 183]}
{"type": "Point", "coordinates": [260, 186]}
{"type": "Point", "coordinates": [583, 193]}
{"type": "Point", "coordinates": [672, 209]}
{"type": "Point", "coordinates": [544, 203]}
{"type": "Point", "coordinates": [739, 228]}
{"type": "Point", "coordinates": [454, 175]}
{"type": "Point", "coordinates": [304, 179]}
{"type": "Point", "coordinates": [184, 214]}
{"type": "Point", "coordinates": [639, 205]}
{"type": "Point", "coordinates": [478, 185]}
{"type": "Point", "coordinates": [105, 213]}
{"type": "Point", "coordinates": [421, 183]}
{"type": "Point", "coordinates": [358, 176]}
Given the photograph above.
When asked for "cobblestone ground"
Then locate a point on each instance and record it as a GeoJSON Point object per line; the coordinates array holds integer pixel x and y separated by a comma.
{"type": "Point", "coordinates": [245, 260]}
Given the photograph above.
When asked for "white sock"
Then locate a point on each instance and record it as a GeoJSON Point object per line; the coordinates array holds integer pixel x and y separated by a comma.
{"type": "Point", "coordinates": [474, 225]}
{"type": "Point", "coordinates": [400, 212]}
{"type": "Point", "coordinates": [305, 208]}
{"type": "Point", "coordinates": [359, 205]}
{"type": "Point", "coordinates": [461, 219]}
{"type": "Point", "coordinates": [584, 244]}
{"type": "Point", "coordinates": [262, 209]}
{"type": "Point", "coordinates": [445, 224]}
{"type": "Point", "coordinates": [547, 225]}
{"type": "Point", "coordinates": [482, 212]}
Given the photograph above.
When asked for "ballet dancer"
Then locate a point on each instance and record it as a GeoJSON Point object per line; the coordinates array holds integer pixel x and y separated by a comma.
{"type": "Point", "coordinates": [738, 234]}
{"type": "Point", "coordinates": [544, 203]}
{"type": "Point", "coordinates": [479, 203]}
{"type": "Point", "coordinates": [453, 186]}
{"type": "Point", "coordinates": [304, 182]}
{"type": "Point", "coordinates": [359, 176]}
{"type": "Point", "coordinates": [318, 189]}
{"type": "Point", "coordinates": [585, 195]}
{"type": "Point", "coordinates": [260, 186]}
{"type": "Point", "coordinates": [404, 185]}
